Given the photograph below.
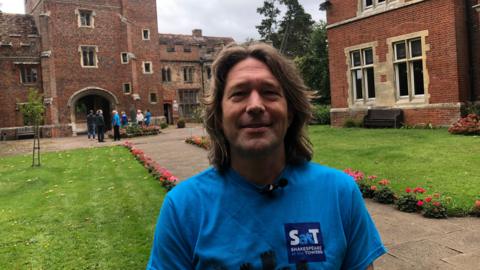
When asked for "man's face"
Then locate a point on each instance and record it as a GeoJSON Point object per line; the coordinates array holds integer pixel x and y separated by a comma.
{"type": "Point", "coordinates": [255, 113]}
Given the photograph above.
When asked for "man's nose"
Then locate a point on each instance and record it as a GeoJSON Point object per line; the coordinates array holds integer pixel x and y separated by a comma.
{"type": "Point", "coordinates": [255, 103]}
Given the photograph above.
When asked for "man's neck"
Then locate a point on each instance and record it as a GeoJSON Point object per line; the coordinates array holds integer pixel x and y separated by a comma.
{"type": "Point", "coordinates": [260, 170]}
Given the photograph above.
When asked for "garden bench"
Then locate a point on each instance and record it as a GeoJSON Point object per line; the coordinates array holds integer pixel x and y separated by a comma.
{"type": "Point", "coordinates": [24, 131]}
{"type": "Point", "coordinates": [392, 118]}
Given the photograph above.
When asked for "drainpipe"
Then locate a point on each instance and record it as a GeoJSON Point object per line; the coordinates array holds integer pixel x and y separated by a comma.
{"type": "Point", "coordinates": [469, 15]}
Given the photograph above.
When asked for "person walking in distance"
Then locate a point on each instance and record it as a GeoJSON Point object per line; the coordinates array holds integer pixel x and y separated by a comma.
{"type": "Point", "coordinates": [91, 124]}
{"type": "Point", "coordinates": [263, 204]}
{"type": "Point", "coordinates": [100, 123]}
{"type": "Point", "coordinates": [139, 117]}
{"type": "Point", "coordinates": [116, 125]}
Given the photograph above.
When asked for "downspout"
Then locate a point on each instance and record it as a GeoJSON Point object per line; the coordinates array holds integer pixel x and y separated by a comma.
{"type": "Point", "coordinates": [469, 15]}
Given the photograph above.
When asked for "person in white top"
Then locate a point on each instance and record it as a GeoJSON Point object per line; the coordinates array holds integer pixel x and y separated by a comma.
{"type": "Point", "coordinates": [140, 117]}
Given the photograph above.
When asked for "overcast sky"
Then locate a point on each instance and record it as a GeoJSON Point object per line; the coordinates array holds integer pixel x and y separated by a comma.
{"type": "Point", "coordinates": [227, 18]}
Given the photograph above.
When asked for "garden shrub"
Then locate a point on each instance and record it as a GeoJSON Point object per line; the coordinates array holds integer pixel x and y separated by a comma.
{"type": "Point", "coordinates": [352, 123]}
{"type": "Point", "coordinates": [180, 123]}
{"type": "Point", "coordinates": [468, 125]}
{"type": "Point", "coordinates": [470, 109]}
{"type": "Point", "coordinates": [434, 209]}
{"type": "Point", "coordinates": [407, 203]}
{"type": "Point", "coordinates": [476, 209]}
{"type": "Point", "coordinates": [384, 195]}
{"type": "Point", "coordinates": [321, 114]}
{"type": "Point", "coordinates": [163, 125]}
{"type": "Point", "coordinates": [368, 191]}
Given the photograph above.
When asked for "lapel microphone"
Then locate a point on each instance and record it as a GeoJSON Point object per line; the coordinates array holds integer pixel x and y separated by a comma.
{"type": "Point", "coordinates": [270, 188]}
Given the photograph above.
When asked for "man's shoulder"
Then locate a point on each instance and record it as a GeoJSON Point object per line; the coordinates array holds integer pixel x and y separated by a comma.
{"type": "Point", "coordinates": [320, 174]}
{"type": "Point", "coordinates": [207, 181]}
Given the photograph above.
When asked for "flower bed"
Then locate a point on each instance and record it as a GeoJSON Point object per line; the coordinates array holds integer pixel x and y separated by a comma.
{"type": "Point", "coordinates": [165, 177]}
{"type": "Point", "coordinates": [136, 131]}
{"type": "Point", "coordinates": [200, 141]}
{"type": "Point", "coordinates": [411, 200]}
{"type": "Point", "coordinates": [468, 125]}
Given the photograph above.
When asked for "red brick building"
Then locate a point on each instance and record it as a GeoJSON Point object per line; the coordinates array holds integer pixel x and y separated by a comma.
{"type": "Point", "coordinates": [422, 56]}
{"type": "Point", "coordinates": [92, 54]}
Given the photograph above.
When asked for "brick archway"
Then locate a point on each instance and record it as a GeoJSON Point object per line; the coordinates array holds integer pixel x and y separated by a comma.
{"type": "Point", "coordinates": [90, 98]}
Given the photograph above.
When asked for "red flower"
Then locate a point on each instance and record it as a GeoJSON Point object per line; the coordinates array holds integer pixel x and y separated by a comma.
{"type": "Point", "coordinates": [437, 204]}
{"type": "Point", "coordinates": [408, 190]}
{"type": "Point", "coordinates": [383, 182]}
{"type": "Point", "coordinates": [420, 203]}
{"type": "Point", "coordinates": [477, 204]}
{"type": "Point", "coordinates": [419, 190]}
{"type": "Point", "coordinates": [373, 188]}
{"type": "Point", "coordinates": [372, 177]}
{"type": "Point", "coordinates": [428, 199]}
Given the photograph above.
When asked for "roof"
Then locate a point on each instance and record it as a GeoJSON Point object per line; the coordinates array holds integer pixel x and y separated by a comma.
{"type": "Point", "coordinates": [172, 39]}
{"type": "Point", "coordinates": [17, 24]}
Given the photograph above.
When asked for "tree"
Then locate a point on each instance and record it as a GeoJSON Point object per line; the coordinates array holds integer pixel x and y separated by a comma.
{"type": "Point", "coordinates": [32, 112]}
{"type": "Point", "coordinates": [291, 34]}
{"type": "Point", "coordinates": [268, 27]}
{"type": "Point", "coordinates": [313, 65]}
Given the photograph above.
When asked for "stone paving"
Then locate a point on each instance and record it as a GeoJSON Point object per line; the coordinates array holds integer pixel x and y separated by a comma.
{"type": "Point", "coordinates": [414, 242]}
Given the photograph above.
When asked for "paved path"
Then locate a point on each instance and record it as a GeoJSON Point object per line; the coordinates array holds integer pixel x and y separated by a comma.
{"type": "Point", "coordinates": [414, 242]}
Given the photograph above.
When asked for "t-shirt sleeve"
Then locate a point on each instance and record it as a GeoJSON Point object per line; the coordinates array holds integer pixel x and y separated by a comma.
{"type": "Point", "coordinates": [364, 244]}
{"type": "Point", "coordinates": [170, 248]}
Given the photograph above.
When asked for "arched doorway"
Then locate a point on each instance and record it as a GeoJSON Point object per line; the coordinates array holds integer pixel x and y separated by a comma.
{"type": "Point", "coordinates": [92, 98]}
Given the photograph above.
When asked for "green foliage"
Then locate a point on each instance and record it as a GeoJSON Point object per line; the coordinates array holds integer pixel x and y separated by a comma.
{"type": "Point", "coordinates": [293, 33]}
{"type": "Point", "coordinates": [313, 65]}
{"type": "Point", "coordinates": [163, 125]}
{"type": "Point", "coordinates": [408, 157]}
{"type": "Point", "coordinates": [89, 209]}
{"type": "Point", "coordinates": [180, 123]}
{"type": "Point", "coordinates": [470, 109]}
{"type": "Point", "coordinates": [431, 210]}
{"type": "Point", "coordinates": [33, 109]}
{"type": "Point", "coordinates": [352, 123]}
{"type": "Point", "coordinates": [321, 114]}
{"type": "Point", "coordinates": [407, 203]}
{"type": "Point", "coordinates": [384, 195]}
{"type": "Point", "coordinates": [366, 189]}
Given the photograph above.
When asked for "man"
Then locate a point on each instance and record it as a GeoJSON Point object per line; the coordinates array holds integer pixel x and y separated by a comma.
{"type": "Point", "coordinates": [91, 124]}
{"type": "Point", "coordinates": [116, 125]}
{"type": "Point", "coordinates": [263, 205]}
{"type": "Point", "coordinates": [100, 123]}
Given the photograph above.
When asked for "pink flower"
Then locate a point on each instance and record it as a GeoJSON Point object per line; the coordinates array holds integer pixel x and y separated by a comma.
{"type": "Point", "coordinates": [419, 190]}
{"type": "Point", "coordinates": [420, 203]}
{"type": "Point", "coordinates": [408, 190]}
{"type": "Point", "coordinates": [372, 177]}
{"type": "Point", "coordinates": [373, 188]}
{"type": "Point", "coordinates": [437, 204]}
{"type": "Point", "coordinates": [477, 204]}
{"type": "Point", "coordinates": [384, 182]}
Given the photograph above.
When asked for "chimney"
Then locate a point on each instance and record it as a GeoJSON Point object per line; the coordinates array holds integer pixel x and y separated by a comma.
{"type": "Point", "coordinates": [197, 33]}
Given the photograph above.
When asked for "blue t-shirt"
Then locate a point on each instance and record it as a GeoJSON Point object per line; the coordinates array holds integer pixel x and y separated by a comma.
{"type": "Point", "coordinates": [318, 221]}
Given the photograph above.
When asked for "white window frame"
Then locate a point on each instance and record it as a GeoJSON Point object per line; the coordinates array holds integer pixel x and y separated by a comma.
{"type": "Point", "coordinates": [409, 60]}
{"type": "Point", "coordinates": [376, 4]}
{"type": "Point", "coordinates": [363, 68]}
{"type": "Point", "coordinates": [127, 57]}
{"type": "Point", "coordinates": [150, 97]}
{"type": "Point", "coordinates": [146, 30]}
{"type": "Point", "coordinates": [95, 55]}
{"type": "Point", "coordinates": [144, 63]}
{"type": "Point", "coordinates": [129, 88]}
{"type": "Point", "coordinates": [92, 13]}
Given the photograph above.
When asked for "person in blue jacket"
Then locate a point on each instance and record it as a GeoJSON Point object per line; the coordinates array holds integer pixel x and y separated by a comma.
{"type": "Point", "coordinates": [116, 125]}
{"type": "Point", "coordinates": [148, 116]}
{"type": "Point", "coordinates": [263, 204]}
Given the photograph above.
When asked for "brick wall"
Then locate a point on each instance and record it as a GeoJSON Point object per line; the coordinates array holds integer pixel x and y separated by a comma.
{"type": "Point", "coordinates": [446, 55]}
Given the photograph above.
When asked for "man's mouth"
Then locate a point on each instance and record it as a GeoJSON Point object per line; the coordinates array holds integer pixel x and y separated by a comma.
{"type": "Point", "coordinates": [255, 125]}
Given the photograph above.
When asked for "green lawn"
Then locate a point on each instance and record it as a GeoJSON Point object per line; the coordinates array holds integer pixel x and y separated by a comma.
{"type": "Point", "coordinates": [433, 159]}
{"type": "Point", "coordinates": [82, 209]}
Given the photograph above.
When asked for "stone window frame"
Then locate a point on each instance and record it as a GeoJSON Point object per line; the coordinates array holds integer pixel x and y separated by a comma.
{"type": "Point", "coordinates": [348, 62]}
{"type": "Point", "coordinates": [411, 98]}
{"type": "Point", "coordinates": [166, 74]}
{"type": "Point", "coordinates": [123, 56]}
{"type": "Point", "coordinates": [147, 32]}
{"type": "Point", "coordinates": [95, 55]}
{"type": "Point", "coordinates": [144, 67]}
{"type": "Point", "coordinates": [188, 98]}
{"type": "Point", "coordinates": [208, 71]}
{"type": "Point", "coordinates": [188, 74]}
{"type": "Point", "coordinates": [153, 100]}
{"type": "Point", "coordinates": [92, 14]}
{"type": "Point", "coordinates": [28, 74]}
{"type": "Point", "coordinates": [124, 88]}
{"type": "Point", "coordinates": [364, 69]}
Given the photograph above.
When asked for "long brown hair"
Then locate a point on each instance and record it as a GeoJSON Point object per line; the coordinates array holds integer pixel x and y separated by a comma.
{"type": "Point", "coordinates": [297, 145]}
